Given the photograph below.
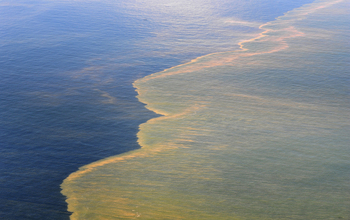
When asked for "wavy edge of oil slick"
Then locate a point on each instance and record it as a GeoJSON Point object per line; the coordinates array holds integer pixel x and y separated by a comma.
{"type": "Point", "coordinates": [276, 32]}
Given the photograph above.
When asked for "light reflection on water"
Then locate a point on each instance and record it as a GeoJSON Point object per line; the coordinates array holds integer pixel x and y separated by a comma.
{"type": "Point", "coordinates": [66, 96]}
{"type": "Point", "coordinates": [260, 133]}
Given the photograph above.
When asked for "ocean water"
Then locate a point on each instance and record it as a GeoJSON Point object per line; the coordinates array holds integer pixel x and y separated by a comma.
{"type": "Point", "coordinates": [256, 127]}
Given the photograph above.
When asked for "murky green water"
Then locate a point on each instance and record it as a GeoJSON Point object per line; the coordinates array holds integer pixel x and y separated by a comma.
{"type": "Point", "coordinates": [259, 133]}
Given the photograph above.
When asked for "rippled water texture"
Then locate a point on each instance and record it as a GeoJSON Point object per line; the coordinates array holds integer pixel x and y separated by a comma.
{"type": "Point", "coordinates": [67, 68]}
{"type": "Point", "coordinates": [258, 133]}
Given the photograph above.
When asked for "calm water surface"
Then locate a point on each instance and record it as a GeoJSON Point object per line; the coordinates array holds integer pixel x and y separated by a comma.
{"type": "Point", "coordinates": [67, 100]}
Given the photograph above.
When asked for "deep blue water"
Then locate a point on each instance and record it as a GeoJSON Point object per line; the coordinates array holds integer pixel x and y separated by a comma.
{"type": "Point", "coordinates": [66, 95]}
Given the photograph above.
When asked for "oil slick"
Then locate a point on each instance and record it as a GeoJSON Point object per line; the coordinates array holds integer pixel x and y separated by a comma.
{"type": "Point", "coordinates": [259, 133]}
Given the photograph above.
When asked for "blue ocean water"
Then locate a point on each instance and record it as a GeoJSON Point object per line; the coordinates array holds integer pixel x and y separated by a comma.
{"type": "Point", "coordinates": [67, 69]}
